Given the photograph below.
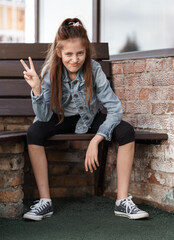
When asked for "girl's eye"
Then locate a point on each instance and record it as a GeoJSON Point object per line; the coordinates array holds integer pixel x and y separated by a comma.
{"type": "Point", "coordinates": [68, 54]}
{"type": "Point", "coordinates": [80, 53]}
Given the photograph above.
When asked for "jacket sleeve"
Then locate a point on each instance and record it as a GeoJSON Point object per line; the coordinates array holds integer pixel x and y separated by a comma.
{"type": "Point", "coordinates": [110, 101]}
{"type": "Point", "coordinates": [41, 103]}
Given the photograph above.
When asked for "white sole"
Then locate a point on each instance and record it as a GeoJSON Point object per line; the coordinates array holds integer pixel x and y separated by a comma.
{"type": "Point", "coordinates": [132, 216]}
{"type": "Point", "coordinates": [37, 218]}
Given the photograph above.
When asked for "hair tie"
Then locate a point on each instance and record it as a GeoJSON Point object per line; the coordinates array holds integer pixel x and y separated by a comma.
{"type": "Point", "coordinates": [74, 24]}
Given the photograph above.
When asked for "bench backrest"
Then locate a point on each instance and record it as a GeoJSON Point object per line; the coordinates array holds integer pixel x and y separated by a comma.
{"type": "Point", "coordinates": [14, 91]}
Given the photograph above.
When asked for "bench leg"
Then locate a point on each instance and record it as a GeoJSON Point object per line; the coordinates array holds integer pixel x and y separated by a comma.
{"type": "Point", "coordinates": [100, 173]}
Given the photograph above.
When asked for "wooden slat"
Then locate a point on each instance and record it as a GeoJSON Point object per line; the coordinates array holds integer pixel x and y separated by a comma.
{"type": "Point", "coordinates": [38, 50]}
{"type": "Point", "coordinates": [139, 135]}
{"type": "Point", "coordinates": [143, 135]}
{"type": "Point", "coordinates": [14, 88]}
{"type": "Point", "coordinates": [12, 136]}
{"type": "Point", "coordinates": [16, 107]}
{"type": "Point", "coordinates": [13, 68]}
{"type": "Point", "coordinates": [23, 50]}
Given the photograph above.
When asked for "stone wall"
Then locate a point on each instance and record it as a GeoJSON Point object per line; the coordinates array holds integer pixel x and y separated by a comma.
{"type": "Point", "coordinates": [11, 179]}
{"type": "Point", "coordinates": [146, 90]}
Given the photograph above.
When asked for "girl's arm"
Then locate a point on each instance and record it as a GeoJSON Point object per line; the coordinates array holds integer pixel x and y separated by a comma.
{"type": "Point", "coordinates": [40, 93]}
{"type": "Point", "coordinates": [109, 100]}
{"type": "Point", "coordinates": [114, 115]}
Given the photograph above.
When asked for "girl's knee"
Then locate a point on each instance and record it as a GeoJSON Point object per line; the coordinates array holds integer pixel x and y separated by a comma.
{"type": "Point", "coordinates": [124, 133]}
{"type": "Point", "coordinates": [34, 135]}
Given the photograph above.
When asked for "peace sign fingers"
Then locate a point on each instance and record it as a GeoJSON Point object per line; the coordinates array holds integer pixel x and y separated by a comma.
{"type": "Point", "coordinates": [25, 65]}
{"type": "Point", "coordinates": [31, 64]}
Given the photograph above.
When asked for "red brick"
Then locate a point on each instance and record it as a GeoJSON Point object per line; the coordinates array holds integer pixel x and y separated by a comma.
{"type": "Point", "coordinates": [58, 169]}
{"type": "Point", "coordinates": [12, 147]}
{"type": "Point", "coordinates": [11, 178]}
{"type": "Point", "coordinates": [163, 108]}
{"type": "Point", "coordinates": [128, 67]}
{"type": "Point", "coordinates": [125, 94]}
{"type": "Point", "coordinates": [144, 94]}
{"type": "Point", "coordinates": [167, 64]}
{"type": "Point", "coordinates": [11, 210]}
{"type": "Point", "coordinates": [62, 156]}
{"type": "Point", "coordinates": [79, 145]}
{"type": "Point", "coordinates": [118, 80]}
{"type": "Point", "coordinates": [130, 94]}
{"type": "Point", "coordinates": [16, 127]}
{"type": "Point", "coordinates": [12, 162]}
{"type": "Point", "coordinates": [152, 179]}
{"type": "Point", "coordinates": [138, 80]}
{"type": "Point", "coordinates": [138, 107]}
{"type": "Point", "coordinates": [155, 122]}
{"type": "Point", "coordinates": [132, 119]}
{"type": "Point", "coordinates": [11, 195]}
{"type": "Point", "coordinates": [117, 68]}
{"type": "Point", "coordinates": [154, 65]}
{"type": "Point", "coordinates": [7, 120]}
{"type": "Point", "coordinates": [120, 93]}
{"type": "Point", "coordinates": [1, 127]}
{"type": "Point", "coordinates": [68, 180]}
{"type": "Point", "coordinates": [140, 66]}
{"type": "Point", "coordinates": [163, 78]}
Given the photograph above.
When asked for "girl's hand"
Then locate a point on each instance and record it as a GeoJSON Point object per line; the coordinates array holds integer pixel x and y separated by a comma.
{"type": "Point", "coordinates": [31, 77]}
{"type": "Point", "coordinates": [91, 159]}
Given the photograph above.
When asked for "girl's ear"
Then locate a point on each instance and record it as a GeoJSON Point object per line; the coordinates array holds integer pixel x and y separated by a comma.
{"type": "Point", "coordinates": [58, 53]}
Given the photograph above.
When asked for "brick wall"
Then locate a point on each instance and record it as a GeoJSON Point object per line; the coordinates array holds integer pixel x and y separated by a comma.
{"type": "Point", "coordinates": [146, 90]}
{"type": "Point", "coordinates": [11, 179]}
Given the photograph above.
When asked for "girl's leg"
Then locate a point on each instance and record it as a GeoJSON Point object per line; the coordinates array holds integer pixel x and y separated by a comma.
{"type": "Point", "coordinates": [40, 168]}
{"type": "Point", "coordinates": [124, 166]}
{"type": "Point", "coordinates": [36, 137]}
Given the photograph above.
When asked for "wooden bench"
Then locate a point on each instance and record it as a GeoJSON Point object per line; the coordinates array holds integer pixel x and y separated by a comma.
{"type": "Point", "coordinates": [15, 97]}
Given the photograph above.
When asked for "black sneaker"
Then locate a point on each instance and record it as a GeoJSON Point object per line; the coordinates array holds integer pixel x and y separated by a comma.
{"type": "Point", "coordinates": [39, 211]}
{"type": "Point", "coordinates": [127, 208]}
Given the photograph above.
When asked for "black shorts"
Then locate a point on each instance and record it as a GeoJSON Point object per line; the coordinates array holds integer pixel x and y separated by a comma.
{"type": "Point", "coordinates": [39, 132]}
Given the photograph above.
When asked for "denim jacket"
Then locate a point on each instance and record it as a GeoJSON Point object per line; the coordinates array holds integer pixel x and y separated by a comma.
{"type": "Point", "coordinates": [102, 94]}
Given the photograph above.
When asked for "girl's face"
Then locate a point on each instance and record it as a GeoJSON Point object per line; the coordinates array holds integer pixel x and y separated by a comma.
{"type": "Point", "coordinates": [73, 54]}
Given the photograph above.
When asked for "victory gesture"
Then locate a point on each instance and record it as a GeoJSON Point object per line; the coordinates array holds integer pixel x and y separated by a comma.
{"type": "Point", "coordinates": [31, 77]}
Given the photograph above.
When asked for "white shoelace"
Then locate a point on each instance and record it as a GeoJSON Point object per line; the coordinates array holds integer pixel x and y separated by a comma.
{"type": "Point", "coordinates": [129, 204]}
{"type": "Point", "coordinates": [39, 206]}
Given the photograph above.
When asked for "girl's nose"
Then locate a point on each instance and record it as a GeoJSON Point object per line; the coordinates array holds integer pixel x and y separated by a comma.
{"type": "Point", "coordinates": [75, 59]}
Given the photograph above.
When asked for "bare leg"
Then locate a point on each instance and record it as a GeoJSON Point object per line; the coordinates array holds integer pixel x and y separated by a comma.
{"type": "Point", "coordinates": [124, 167]}
{"type": "Point", "coordinates": [40, 167]}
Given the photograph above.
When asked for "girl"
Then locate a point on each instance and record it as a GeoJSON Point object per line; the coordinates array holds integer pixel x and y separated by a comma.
{"type": "Point", "coordinates": [66, 100]}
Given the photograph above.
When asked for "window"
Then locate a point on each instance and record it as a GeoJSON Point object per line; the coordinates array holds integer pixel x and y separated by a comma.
{"type": "Point", "coordinates": [17, 21]}
{"type": "Point", "coordinates": [131, 25]}
{"type": "Point", "coordinates": [52, 15]}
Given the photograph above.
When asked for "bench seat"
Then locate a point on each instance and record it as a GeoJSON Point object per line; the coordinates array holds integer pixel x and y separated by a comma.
{"type": "Point", "coordinates": [143, 136]}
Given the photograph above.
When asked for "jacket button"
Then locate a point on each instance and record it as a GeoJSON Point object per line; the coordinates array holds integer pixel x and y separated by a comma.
{"type": "Point", "coordinates": [81, 107]}
{"type": "Point", "coordinates": [86, 117]}
{"type": "Point", "coordinates": [75, 95]}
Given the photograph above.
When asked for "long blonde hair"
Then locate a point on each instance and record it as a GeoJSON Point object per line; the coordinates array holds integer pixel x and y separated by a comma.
{"type": "Point", "coordinates": [69, 29]}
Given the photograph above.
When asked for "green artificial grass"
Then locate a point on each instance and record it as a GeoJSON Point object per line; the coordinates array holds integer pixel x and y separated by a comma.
{"type": "Point", "coordinates": [89, 218]}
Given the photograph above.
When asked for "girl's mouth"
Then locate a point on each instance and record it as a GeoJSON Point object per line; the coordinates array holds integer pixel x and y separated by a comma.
{"type": "Point", "coordinates": [74, 65]}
